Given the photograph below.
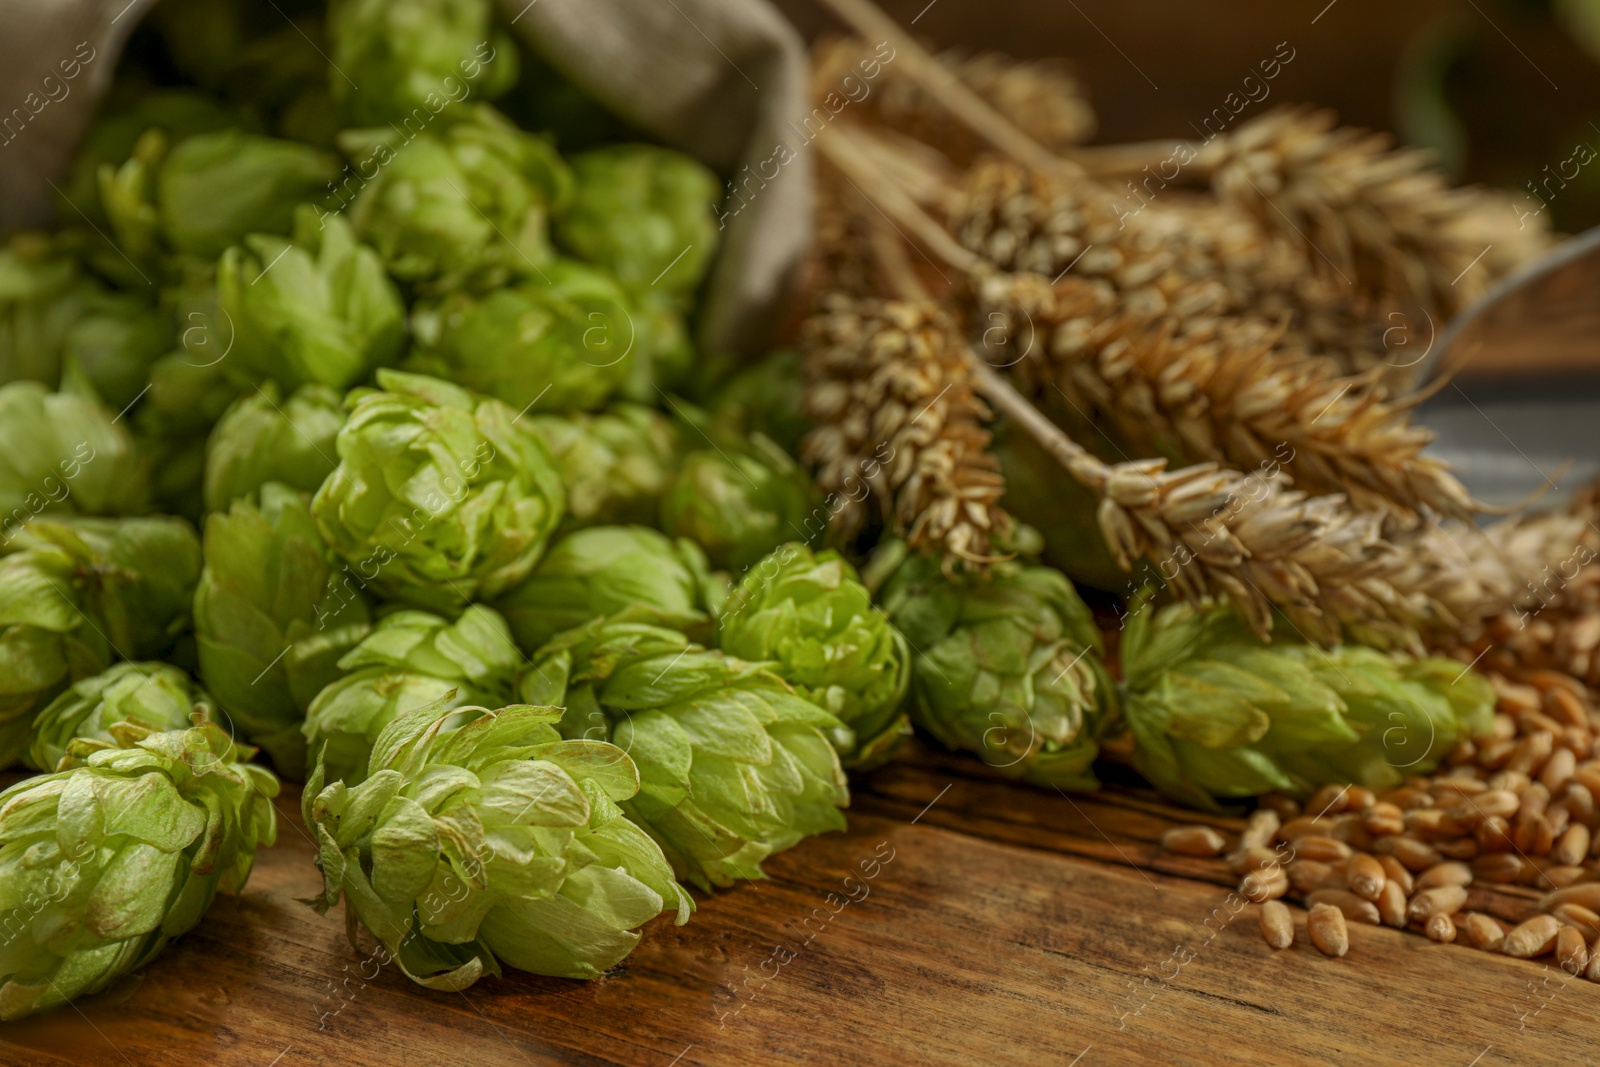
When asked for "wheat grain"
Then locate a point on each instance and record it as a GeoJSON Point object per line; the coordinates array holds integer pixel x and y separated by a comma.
{"type": "Point", "coordinates": [1193, 841]}
{"type": "Point", "coordinates": [1428, 902]}
{"type": "Point", "coordinates": [1532, 938]}
{"type": "Point", "coordinates": [1328, 932]}
{"type": "Point", "coordinates": [1355, 908]}
{"type": "Point", "coordinates": [1444, 874]}
{"type": "Point", "coordinates": [1277, 924]}
{"type": "Point", "coordinates": [1440, 927]}
{"type": "Point", "coordinates": [1392, 905]}
{"type": "Point", "coordinates": [1365, 876]}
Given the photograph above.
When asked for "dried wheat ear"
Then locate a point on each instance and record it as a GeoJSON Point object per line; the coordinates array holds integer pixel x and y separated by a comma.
{"type": "Point", "coordinates": [892, 393]}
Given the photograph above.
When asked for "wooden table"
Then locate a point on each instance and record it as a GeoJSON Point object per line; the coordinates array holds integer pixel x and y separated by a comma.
{"type": "Point", "coordinates": [1000, 925]}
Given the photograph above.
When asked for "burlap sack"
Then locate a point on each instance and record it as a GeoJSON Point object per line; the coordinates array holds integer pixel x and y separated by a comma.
{"type": "Point", "coordinates": [715, 78]}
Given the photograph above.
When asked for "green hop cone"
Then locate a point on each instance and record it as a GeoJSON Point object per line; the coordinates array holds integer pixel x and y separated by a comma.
{"type": "Point", "coordinates": [1007, 665]}
{"type": "Point", "coordinates": [645, 213]}
{"type": "Point", "coordinates": [809, 616]}
{"type": "Point", "coordinates": [272, 619]}
{"type": "Point", "coordinates": [134, 578]}
{"type": "Point", "coordinates": [214, 188]}
{"type": "Point", "coordinates": [1216, 714]}
{"type": "Point", "coordinates": [155, 696]}
{"type": "Point", "coordinates": [265, 438]}
{"type": "Point", "coordinates": [481, 837]}
{"type": "Point", "coordinates": [209, 190]}
{"type": "Point", "coordinates": [114, 340]}
{"type": "Point", "coordinates": [615, 464]}
{"type": "Point", "coordinates": [562, 341]}
{"type": "Point", "coordinates": [189, 390]}
{"type": "Point", "coordinates": [413, 59]}
{"type": "Point", "coordinates": [39, 301]}
{"type": "Point", "coordinates": [604, 569]}
{"type": "Point", "coordinates": [52, 315]}
{"type": "Point", "coordinates": [128, 199]}
{"type": "Point", "coordinates": [410, 660]}
{"type": "Point", "coordinates": [63, 452]}
{"type": "Point", "coordinates": [740, 501]}
{"type": "Point", "coordinates": [177, 113]}
{"type": "Point", "coordinates": [187, 396]}
{"type": "Point", "coordinates": [47, 641]}
{"type": "Point", "coordinates": [439, 498]}
{"type": "Point", "coordinates": [317, 309]}
{"type": "Point", "coordinates": [104, 863]}
{"type": "Point", "coordinates": [765, 397]}
{"type": "Point", "coordinates": [664, 356]}
{"type": "Point", "coordinates": [734, 766]}
{"type": "Point", "coordinates": [470, 202]}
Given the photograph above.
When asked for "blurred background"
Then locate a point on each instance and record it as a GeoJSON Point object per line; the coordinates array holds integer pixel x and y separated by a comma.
{"type": "Point", "coordinates": [1500, 89]}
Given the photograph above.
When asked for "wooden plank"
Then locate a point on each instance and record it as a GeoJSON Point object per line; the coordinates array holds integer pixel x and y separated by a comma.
{"type": "Point", "coordinates": [999, 925]}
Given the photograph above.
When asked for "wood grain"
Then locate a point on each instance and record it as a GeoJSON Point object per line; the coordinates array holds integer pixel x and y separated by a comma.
{"type": "Point", "coordinates": [999, 925]}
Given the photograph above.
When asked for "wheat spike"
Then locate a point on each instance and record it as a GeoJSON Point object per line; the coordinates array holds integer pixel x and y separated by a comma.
{"type": "Point", "coordinates": [1041, 96]}
{"type": "Point", "coordinates": [1382, 220]}
{"type": "Point", "coordinates": [891, 390]}
{"type": "Point", "coordinates": [1176, 253]}
{"type": "Point", "coordinates": [1221, 389]}
{"type": "Point", "coordinates": [1335, 573]}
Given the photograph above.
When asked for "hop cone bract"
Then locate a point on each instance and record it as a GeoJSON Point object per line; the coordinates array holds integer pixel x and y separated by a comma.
{"type": "Point", "coordinates": [155, 696]}
{"type": "Point", "coordinates": [412, 59]}
{"type": "Point", "coordinates": [63, 452]}
{"type": "Point", "coordinates": [604, 569]}
{"type": "Point", "coordinates": [470, 202]}
{"type": "Point", "coordinates": [562, 341]}
{"type": "Point", "coordinates": [134, 578]}
{"type": "Point", "coordinates": [615, 464]}
{"type": "Point", "coordinates": [647, 214]}
{"type": "Point", "coordinates": [740, 501]}
{"type": "Point", "coordinates": [317, 309]}
{"type": "Point", "coordinates": [264, 438]}
{"type": "Point", "coordinates": [272, 619]}
{"type": "Point", "coordinates": [212, 189]}
{"type": "Point", "coordinates": [46, 640]}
